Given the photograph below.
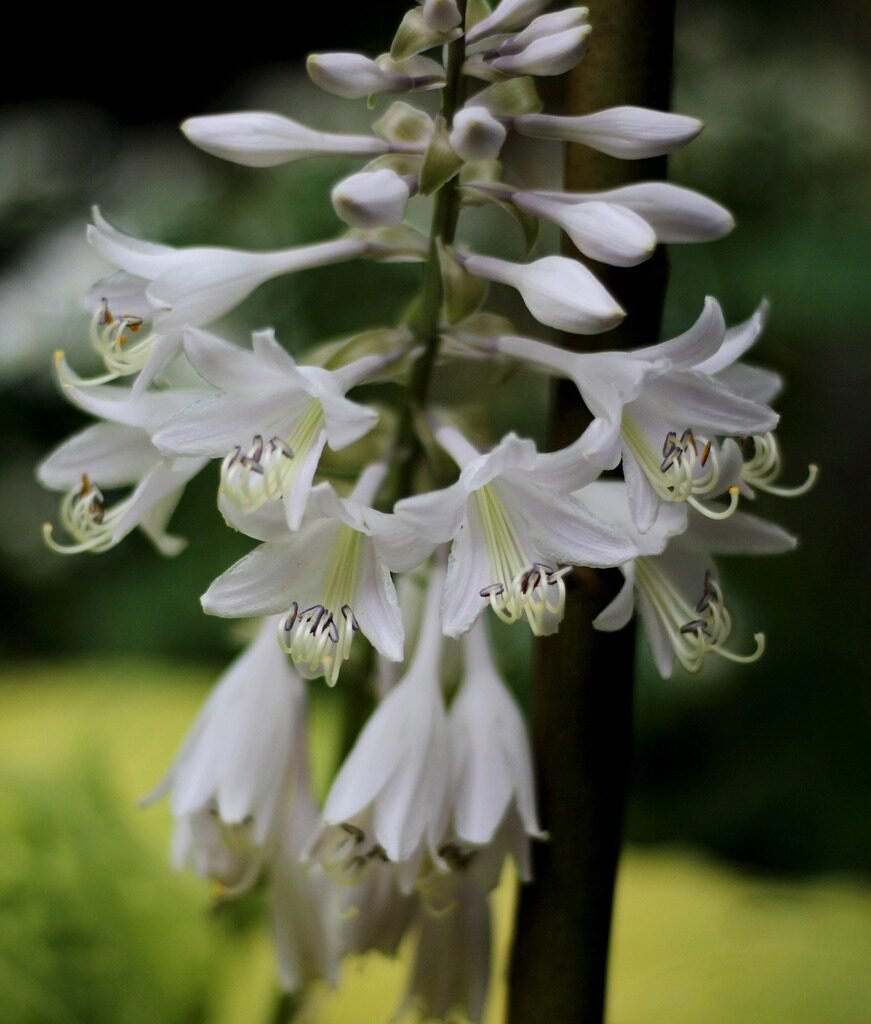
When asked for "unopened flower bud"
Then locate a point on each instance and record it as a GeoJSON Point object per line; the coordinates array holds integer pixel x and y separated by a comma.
{"type": "Point", "coordinates": [371, 199]}
{"type": "Point", "coordinates": [476, 134]}
{"type": "Point", "coordinates": [510, 14]}
{"type": "Point", "coordinates": [441, 15]}
{"type": "Point", "coordinates": [548, 55]}
{"type": "Point", "coordinates": [259, 139]}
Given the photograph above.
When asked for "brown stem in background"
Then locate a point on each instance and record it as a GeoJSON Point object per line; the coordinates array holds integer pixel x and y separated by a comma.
{"type": "Point", "coordinates": [582, 703]}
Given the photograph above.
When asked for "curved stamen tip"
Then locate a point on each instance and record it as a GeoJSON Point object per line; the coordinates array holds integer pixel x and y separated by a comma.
{"type": "Point", "coordinates": [706, 510]}
{"type": "Point", "coordinates": [813, 471]}
{"type": "Point", "coordinates": [744, 659]}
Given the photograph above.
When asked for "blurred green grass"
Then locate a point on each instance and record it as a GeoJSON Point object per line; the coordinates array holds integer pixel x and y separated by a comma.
{"type": "Point", "coordinates": [94, 926]}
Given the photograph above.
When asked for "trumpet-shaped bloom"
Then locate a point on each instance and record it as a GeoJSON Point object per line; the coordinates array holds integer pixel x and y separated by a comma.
{"type": "Point", "coordinates": [675, 584]}
{"type": "Point", "coordinates": [306, 926]}
{"type": "Point", "coordinates": [270, 420]}
{"type": "Point", "coordinates": [558, 291]}
{"type": "Point", "coordinates": [491, 750]}
{"type": "Point", "coordinates": [630, 133]}
{"type": "Point", "coordinates": [661, 412]}
{"type": "Point", "coordinates": [330, 580]}
{"type": "Point", "coordinates": [391, 798]}
{"type": "Point", "coordinates": [190, 287]}
{"type": "Point", "coordinates": [622, 226]}
{"type": "Point", "coordinates": [451, 970]}
{"type": "Point", "coordinates": [515, 531]}
{"type": "Point", "coordinates": [230, 779]}
{"type": "Point", "coordinates": [259, 139]}
{"type": "Point", "coordinates": [116, 453]}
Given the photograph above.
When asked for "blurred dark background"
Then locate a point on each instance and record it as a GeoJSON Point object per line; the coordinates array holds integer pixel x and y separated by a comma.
{"type": "Point", "coordinates": [766, 766]}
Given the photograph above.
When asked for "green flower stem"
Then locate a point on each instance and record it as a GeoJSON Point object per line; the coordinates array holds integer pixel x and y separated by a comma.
{"type": "Point", "coordinates": [583, 696]}
{"type": "Point", "coordinates": [446, 211]}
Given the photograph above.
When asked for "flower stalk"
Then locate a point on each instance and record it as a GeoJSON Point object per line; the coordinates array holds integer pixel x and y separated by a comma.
{"type": "Point", "coordinates": [583, 696]}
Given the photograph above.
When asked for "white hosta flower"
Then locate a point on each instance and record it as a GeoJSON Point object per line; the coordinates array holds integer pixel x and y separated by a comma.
{"type": "Point", "coordinates": [547, 54]}
{"type": "Point", "coordinates": [451, 971]}
{"type": "Point", "coordinates": [329, 580]}
{"type": "Point", "coordinates": [674, 583]}
{"type": "Point", "coordinates": [193, 287]}
{"type": "Point", "coordinates": [543, 26]}
{"type": "Point", "coordinates": [391, 798]}
{"type": "Point", "coordinates": [271, 419]}
{"type": "Point", "coordinates": [558, 291]}
{"type": "Point", "coordinates": [354, 76]}
{"type": "Point", "coordinates": [515, 531]}
{"type": "Point", "coordinates": [230, 779]}
{"type": "Point", "coordinates": [476, 134]}
{"type": "Point", "coordinates": [630, 133]}
{"type": "Point", "coordinates": [508, 15]}
{"type": "Point", "coordinates": [376, 913]}
{"type": "Point", "coordinates": [116, 453]}
{"type": "Point", "coordinates": [259, 139]}
{"type": "Point", "coordinates": [661, 413]}
{"type": "Point", "coordinates": [491, 750]}
{"type": "Point", "coordinates": [622, 226]}
{"type": "Point", "coordinates": [371, 199]}
{"type": "Point", "coordinates": [306, 926]}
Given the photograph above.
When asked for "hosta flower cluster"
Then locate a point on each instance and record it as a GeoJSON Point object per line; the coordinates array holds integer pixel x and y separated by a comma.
{"type": "Point", "coordinates": [442, 531]}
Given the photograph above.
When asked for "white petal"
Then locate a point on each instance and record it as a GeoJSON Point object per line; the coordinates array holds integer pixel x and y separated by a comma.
{"type": "Point", "coordinates": [631, 133]}
{"type": "Point", "coordinates": [295, 502]}
{"type": "Point", "coordinates": [740, 534]}
{"type": "Point", "coordinates": [512, 453]}
{"type": "Point", "coordinates": [753, 382]}
{"type": "Point", "coordinates": [565, 470]}
{"type": "Point", "coordinates": [226, 366]}
{"type": "Point", "coordinates": [352, 75]}
{"type": "Point", "coordinates": [617, 614]}
{"type": "Point", "coordinates": [607, 232]}
{"type": "Point", "coordinates": [268, 579]}
{"type": "Point", "coordinates": [214, 426]}
{"type": "Point", "coordinates": [643, 500]}
{"type": "Point", "coordinates": [375, 606]}
{"type": "Point", "coordinates": [435, 515]}
{"type": "Point", "coordinates": [110, 453]}
{"type": "Point", "coordinates": [259, 139]}
{"type": "Point", "coordinates": [398, 546]}
{"type": "Point", "coordinates": [657, 638]}
{"type": "Point", "coordinates": [160, 489]}
{"type": "Point", "coordinates": [468, 573]}
{"type": "Point", "coordinates": [737, 341]}
{"type": "Point", "coordinates": [676, 214]}
{"type": "Point", "coordinates": [694, 346]}
{"type": "Point", "coordinates": [346, 421]}
{"type": "Point", "coordinates": [691, 398]}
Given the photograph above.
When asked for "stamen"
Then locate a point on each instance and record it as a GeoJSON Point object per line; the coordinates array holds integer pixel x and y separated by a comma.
{"type": "Point", "coordinates": [689, 468]}
{"type": "Point", "coordinates": [86, 518]}
{"type": "Point", "coordinates": [110, 341]}
{"type": "Point", "coordinates": [268, 470]}
{"type": "Point", "coordinates": [692, 632]}
{"type": "Point", "coordinates": [523, 587]}
{"type": "Point", "coordinates": [318, 638]}
{"type": "Point", "coordinates": [764, 466]}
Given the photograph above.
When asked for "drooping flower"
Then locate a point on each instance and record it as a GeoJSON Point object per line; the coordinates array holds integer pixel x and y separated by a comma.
{"type": "Point", "coordinates": [189, 287]}
{"type": "Point", "coordinates": [622, 226]}
{"type": "Point", "coordinates": [674, 582]}
{"type": "Point", "coordinates": [558, 291]}
{"type": "Point", "coordinates": [116, 453]}
{"type": "Point", "coordinates": [270, 420]}
{"type": "Point", "coordinates": [329, 580]}
{"type": "Point", "coordinates": [231, 778]}
{"type": "Point", "coordinates": [492, 757]}
{"type": "Point", "coordinates": [371, 199]}
{"type": "Point", "coordinates": [451, 970]}
{"type": "Point", "coordinates": [353, 75]}
{"type": "Point", "coordinates": [391, 798]}
{"type": "Point", "coordinates": [515, 531]}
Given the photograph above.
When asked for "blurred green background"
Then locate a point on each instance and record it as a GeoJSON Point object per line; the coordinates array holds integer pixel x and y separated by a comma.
{"type": "Point", "coordinates": [764, 771]}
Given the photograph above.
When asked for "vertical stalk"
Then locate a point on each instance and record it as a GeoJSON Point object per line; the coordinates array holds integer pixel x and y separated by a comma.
{"type": "Point", "coordinates": [582, 704]}
{"type": "Point", "coordinates": [426, 323]}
